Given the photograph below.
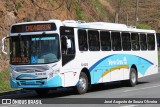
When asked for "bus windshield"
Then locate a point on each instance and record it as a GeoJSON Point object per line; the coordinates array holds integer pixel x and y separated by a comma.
{"type": "Point", "coordinates": [34, 49]}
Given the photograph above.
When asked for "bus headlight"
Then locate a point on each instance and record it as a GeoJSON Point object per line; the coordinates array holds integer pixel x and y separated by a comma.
{"type": "Point", "coordinates": [56, 71]}
{"type": "Point", "coordinates": [11, 72]}
{"type": "Point", "coordinates": [50, 75]}
{"type": "Point", "coordinates": [12, 75]}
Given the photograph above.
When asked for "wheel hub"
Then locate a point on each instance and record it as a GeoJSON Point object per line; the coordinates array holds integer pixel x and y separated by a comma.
{"type": "Point", "coordinates": [133, 77]}
{"type": "Point", "coordinates": [82, 83]}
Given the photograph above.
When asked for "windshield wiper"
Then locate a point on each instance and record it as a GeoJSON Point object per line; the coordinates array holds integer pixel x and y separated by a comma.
{"type": "Point", "coordinates": [24, 46]}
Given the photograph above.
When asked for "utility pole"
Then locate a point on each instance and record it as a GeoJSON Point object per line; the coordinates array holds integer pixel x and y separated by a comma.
{"type": "Point", "coordinates": [136, 13]}
{"type": "Point", "coordinates": [118, 11]}
{"type": "Point", "coordinates": [127, 18]}
{"type": "Point", "coordinates": [116, 17]}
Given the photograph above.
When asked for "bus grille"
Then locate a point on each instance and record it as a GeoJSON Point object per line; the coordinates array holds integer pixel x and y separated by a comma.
{"type": "Point", "coordinates": [31, 69]}
{"type": "Point", "coordinates": [23, 83]}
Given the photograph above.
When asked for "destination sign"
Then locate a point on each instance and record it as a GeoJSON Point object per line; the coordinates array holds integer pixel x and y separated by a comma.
{"type": "Point", "coordinates": [19, 59]}
{"type": "Point", "coordinates": [33, 27]}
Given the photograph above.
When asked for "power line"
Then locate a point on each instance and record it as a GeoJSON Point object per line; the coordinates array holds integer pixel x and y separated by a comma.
{"type": "Point", "coordinates": [34, 3]}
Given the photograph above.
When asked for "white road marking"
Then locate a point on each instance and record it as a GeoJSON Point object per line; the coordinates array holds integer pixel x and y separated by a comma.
{"type": "Point", "coordinates": [130, 106]}
{"type": "Point", "coordinates": [142, 88]}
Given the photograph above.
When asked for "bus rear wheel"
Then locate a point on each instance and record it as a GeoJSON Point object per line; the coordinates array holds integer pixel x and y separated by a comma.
{"type": "Point", "coordinates": [133, 77]}
{"type": "Point", "coordinates": [82, 85]}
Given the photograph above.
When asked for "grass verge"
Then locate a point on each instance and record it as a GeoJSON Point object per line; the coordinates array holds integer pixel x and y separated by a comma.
{"type": "Point", "coordinates": [4, 81]}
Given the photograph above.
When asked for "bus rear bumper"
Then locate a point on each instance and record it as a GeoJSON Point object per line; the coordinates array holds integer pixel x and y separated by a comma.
{"type": "Point", "coordinates": [38, 83]}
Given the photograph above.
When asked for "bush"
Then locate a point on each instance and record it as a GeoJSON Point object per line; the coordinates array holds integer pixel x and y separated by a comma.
{"type": "Point", "coordinates": [143, 26]}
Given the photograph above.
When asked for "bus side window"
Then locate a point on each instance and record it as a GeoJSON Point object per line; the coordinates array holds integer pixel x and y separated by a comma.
{"type": "Point", "coordinates": [82, 40]}
{"type": "Point", "coordinates": [151, 41]}
{"type": "Point", "coordinates": [135, 41]}
{"type": "Point", "coordinates": [143, 42]}
{"type": "Point", "coordinates": [116, 41]}
{"type": "Point", "coordinates": [105, 41]}
{"type": "Point", "coordinates": [93, 37]}
{"type": "Point", "coordinates": [126, 41]}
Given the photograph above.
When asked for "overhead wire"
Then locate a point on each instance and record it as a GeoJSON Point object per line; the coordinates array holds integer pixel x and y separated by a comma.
{"type": "Point", "coordinates": [34, 3]}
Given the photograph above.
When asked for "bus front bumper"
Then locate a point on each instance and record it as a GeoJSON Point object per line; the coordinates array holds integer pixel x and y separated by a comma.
{"type": "Point", "coordinates": [37, 83]}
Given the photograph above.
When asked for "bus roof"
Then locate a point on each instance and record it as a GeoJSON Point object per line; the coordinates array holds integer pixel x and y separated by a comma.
{"type": "Point", "coordinates": [92, 25]}
{"type": "Point", "coordinates": [104, 26]}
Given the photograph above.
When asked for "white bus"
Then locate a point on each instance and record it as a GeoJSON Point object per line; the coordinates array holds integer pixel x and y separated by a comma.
{"type": "Point", "coordinates": [52, 54]}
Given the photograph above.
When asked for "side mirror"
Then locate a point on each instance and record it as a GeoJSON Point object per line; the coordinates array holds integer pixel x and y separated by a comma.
{"type": "Point", "coordinates": [3, 45]}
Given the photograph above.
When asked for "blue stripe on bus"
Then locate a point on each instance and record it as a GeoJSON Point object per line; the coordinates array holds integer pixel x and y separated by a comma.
{"type": "Point", "coordinates": [115, 60]}
{"type": "Point", "coordinates": [93, 66]}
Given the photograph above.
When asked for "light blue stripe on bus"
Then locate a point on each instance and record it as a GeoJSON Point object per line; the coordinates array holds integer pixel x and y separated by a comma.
{"type": "Point", "coordinates": [93, 66]}
{"type": "Point", "coordinates": [43, 38]}
{"type": "Point", "coordinates": [112, 61]}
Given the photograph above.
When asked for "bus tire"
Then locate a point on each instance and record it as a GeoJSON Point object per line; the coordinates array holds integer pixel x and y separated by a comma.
{"type": "Point", "coordinates": [82, 85]}
{"type": "Point", "coordinates": [132, 77]}
{"type": "Point", "coordinates": [42, 92]}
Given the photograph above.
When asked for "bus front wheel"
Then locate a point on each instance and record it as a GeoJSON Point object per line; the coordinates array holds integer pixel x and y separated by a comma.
{"type": "Point", "coordinates": [82, 85]}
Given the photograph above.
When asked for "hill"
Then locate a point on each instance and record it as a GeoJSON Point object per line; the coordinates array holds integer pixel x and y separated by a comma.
{"type": "Point", "coordinates": [148, 12]}
{"type": "Point", "coordinates": [13, 11]}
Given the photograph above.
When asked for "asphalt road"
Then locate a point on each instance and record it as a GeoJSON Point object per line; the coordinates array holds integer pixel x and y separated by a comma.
{"type": "Point", "coordinates": [147, 87]}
